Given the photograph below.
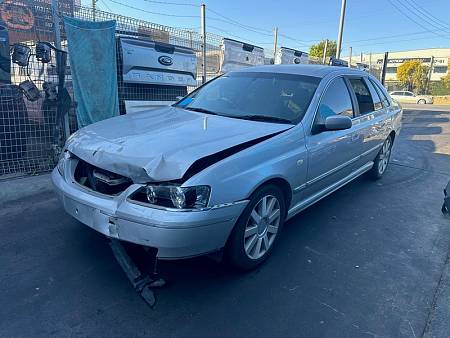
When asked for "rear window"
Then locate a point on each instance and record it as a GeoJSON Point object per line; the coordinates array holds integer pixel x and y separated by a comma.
{"type": "Point", "coordinates": [381, 93]}
{"type": "Point", "coordinates": [376, 98]}
{"type": "Point", "coordinates": [363, 96]}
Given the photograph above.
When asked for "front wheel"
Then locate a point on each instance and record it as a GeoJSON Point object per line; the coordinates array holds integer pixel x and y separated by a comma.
{"type": "Point", "coordinates": [381, 161]}
{"type": "Point", "coordinates": [257, 229]}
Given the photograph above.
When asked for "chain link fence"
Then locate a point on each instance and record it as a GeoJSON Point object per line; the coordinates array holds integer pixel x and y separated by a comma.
{"type": "Point", "coordinates": [33, 123]}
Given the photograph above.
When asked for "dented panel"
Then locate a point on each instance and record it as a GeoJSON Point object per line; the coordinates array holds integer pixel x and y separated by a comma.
{"type": "Point", "coordinates": [161, 144]}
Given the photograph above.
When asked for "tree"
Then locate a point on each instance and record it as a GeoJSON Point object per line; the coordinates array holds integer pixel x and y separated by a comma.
{"type": "Point", "coordinates": [413, 75]}
{"type": "Point", "coordinates": [317, 49]}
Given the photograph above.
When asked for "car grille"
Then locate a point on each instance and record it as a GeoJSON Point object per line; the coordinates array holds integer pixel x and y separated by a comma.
{"type": "Point", "coordinates": [100, 180]}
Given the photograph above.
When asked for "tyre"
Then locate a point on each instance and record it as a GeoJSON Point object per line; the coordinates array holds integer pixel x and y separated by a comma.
{"type": "Point", "coordinates": [257, 229]}
{"type": "Point", "coordinates": [421, 101]}
{"type": "Point", "coordinates": [381, 161]}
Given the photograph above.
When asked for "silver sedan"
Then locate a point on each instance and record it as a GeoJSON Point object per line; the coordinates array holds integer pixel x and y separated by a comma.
{"type": "Point", "coordinates": [226, 166]}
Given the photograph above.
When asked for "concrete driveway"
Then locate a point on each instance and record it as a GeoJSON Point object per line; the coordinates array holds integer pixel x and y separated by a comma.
{"type": "Point", "coordinates": [369, 260]}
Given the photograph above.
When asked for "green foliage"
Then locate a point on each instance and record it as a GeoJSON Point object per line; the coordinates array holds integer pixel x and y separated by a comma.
{"type": "Point", "coordinates": [413, 75]}
{"type": "Point", "coordinates": [317, 49]}
{"type": "Point", "coordinates": [442, 87]}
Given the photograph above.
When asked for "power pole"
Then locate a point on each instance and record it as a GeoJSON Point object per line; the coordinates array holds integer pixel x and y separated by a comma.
{"type": "Point", "coordinates": [429, 74]}
{"type": "Point", "coordinates": [94, 8]}
{"type": "Point", "coordinates": [203, 30]}
{"type": "Point", "coordinates": [325, 51]}
{"type": "Point", "coordinates": [341, 30]}
{"type": "Point", "coordinates": [361, 57]}
{"type": "Point", "coordinates": [350, 58]}
{"type": "Point", "coordinates": [370, 61]}
{"type": "Point", "coordinates": [383, 71]}
{"type": "Point", "coordinates": [275, 41]}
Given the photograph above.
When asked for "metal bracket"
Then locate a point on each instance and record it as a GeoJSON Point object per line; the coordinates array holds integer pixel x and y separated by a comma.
{"type": "Point", "coordinates": [141, 283]}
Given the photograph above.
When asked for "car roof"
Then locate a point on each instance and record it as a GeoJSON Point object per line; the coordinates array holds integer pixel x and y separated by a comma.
{"type": "Point", "coordinates": [308, 70]}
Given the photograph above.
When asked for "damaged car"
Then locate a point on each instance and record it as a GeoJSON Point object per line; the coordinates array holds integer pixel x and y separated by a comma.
{"type": "Point", "coordinates": [226, 166]}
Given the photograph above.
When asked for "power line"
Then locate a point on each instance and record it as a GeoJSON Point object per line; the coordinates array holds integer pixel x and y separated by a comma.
{"type": "Point", "coordinates": [238, 23]}
{"type": "Point", "coordinates": [412, 19]}
{"type": "Point", "coordinates": [172, 3]}
{"type": "Point", "coordinates": [154, 13]}
{"type": "Point", "coordinates": [106, 5]}
{"type": "Point", "coordinates": [428, 14]}
{"type": "Point", "coordinates": [392, 36]}
{"type": "Point", "coordinates": [414, 11]}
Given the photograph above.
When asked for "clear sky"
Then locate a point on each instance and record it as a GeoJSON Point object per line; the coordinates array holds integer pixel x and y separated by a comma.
{"type": "Point", "coordinates": [370, 26]}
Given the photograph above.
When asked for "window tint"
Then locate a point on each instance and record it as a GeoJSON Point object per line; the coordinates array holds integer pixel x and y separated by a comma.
{"type": "Point", "coordinates": [396, 93]}
{"type": "Point", "coordinates": [375, 97]}
{"type": "Point", "coordinates": [381, 93]}
{"type": "Point", "coordinates": [408, 94]}
{"type": "Point", "coordinates": [335, 101]}
{"type": "Point", "coordinates": [363, 96]}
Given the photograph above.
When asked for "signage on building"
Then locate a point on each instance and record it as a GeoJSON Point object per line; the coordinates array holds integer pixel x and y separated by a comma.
{"type": "Point", "coordinates": [29, 20]}
{"type": "Point", "coordinates": [402, 60]}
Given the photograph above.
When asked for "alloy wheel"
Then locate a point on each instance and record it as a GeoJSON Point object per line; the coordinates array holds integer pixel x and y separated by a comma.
{"type": "Point", "coordinates": [385, 154]}
{"type": "Point", "coordinates": [262, 227]}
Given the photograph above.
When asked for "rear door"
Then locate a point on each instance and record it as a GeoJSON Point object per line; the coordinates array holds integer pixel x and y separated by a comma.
{"type": "Point", "coordinates": [331, 154]}
{"type": "Point", "coordinates": [370, 123]}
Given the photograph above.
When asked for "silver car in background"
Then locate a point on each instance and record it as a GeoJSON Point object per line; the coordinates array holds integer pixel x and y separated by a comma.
{"type": "Point", "coordinates": [404, 96]}
{"type": "Point", "coordinates": [227, 165]}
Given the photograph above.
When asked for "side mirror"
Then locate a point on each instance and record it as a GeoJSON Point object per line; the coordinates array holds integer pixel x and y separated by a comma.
{"type": "Point", "coordinates": [178, 98]}
{"type": "Point", "coordinates": [338, 122]}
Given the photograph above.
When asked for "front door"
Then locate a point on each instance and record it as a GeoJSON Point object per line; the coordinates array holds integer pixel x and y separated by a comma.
{"type": "Point", "coordinates": [331, 154]}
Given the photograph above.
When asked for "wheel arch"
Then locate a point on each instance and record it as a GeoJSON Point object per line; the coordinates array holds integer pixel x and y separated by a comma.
{"type": "Point", "coordinates": [280, 182]}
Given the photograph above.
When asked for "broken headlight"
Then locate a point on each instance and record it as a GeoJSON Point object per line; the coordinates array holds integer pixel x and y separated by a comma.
{"type": "Point", "coordinates": [65, 155]}
{"type": "Point", "coordinates": [173, 196]}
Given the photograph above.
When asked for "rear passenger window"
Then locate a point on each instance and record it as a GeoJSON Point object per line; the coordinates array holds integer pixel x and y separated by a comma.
{"type": "Point", "coordinates": [335, 101]}
{"type": "Point", "coordinates": [363, 96]}
{"type": "Point", "coordinates": [381, 93]}
{"type": "Point", "coordinates": [375, 97]}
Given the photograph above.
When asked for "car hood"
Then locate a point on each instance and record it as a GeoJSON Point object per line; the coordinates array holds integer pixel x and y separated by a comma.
{"type": "Point", "coordinates": [161, 144]}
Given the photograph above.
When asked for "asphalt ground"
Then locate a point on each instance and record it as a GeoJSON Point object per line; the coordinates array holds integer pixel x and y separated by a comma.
{"type": "Point", "coordinates": [369, 260]}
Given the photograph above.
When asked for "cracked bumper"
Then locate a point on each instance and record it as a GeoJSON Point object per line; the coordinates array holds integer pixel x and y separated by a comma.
{"type": "Point", "coordinates": [175, 234]}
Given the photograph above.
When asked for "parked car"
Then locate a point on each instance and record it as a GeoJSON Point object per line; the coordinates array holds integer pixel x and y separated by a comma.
{"type": "Point", "coordinates": [404, 96]}
{"type": "Point", "coordinates": [226, 166]}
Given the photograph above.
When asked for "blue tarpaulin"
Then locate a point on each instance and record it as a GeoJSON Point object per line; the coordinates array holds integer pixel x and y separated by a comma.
{"type": "Point", "coordinates": [92, 56]}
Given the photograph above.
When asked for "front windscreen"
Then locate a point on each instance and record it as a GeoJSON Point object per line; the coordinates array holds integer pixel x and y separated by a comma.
{"type": "Point", "coordinates": [271, 97]}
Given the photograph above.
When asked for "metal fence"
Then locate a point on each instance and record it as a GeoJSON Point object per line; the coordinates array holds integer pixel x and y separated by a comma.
{"type": "Point", "coordinates": [32, 128]}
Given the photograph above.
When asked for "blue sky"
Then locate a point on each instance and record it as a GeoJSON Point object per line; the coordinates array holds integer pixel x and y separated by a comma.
{"type": "Point", "coordinates": [370, 26]}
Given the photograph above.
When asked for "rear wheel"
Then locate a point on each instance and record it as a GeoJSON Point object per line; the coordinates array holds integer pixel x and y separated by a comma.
{"type": "Point", "coordinates": [381, 161]}
{"type": "Point", "coordinates": [421, 101]}
{"type": "Point", "coordinates": [257, 229]}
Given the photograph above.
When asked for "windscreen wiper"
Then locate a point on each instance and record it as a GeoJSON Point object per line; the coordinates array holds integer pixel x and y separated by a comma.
{"type": "Point", "coordinates": [264, 118]}
{"type": "Point", "coordinates": [201, 110]}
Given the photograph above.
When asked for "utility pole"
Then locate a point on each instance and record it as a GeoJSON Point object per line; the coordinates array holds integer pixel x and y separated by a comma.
{"type": "Point", "coordinates": [341, 30]}
{"type": "Point", "coordinates": [203, 30]}
{"type": "Point", "coordinates": [361, 57]}
{"type": "Point", "coordinates": [325, 51]}
{"type": "Point", "coordinates": [370, 61]}
{"type": "Point", "coordinates": [429, 74]}
{"type": "Point", "coordinates": [94, 8]}
{"type": "Point", "coordinates": [275, 41]}
{"type": "Point", "coordinates": [350, 58]}
{"type": "Point", "coordinates": [383, 71]}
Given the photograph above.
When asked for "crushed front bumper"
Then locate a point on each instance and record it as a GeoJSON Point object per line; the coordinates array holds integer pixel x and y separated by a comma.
{"type": "Point", "coordinates": [176, 234]}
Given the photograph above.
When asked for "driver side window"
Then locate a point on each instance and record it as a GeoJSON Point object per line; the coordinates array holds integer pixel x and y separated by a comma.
{"type": "Point", "coordinates": [335, 101]}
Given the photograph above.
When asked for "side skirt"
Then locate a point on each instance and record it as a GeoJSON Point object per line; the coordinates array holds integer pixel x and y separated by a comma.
{"type": "Point", "coordinates": [328, 190]}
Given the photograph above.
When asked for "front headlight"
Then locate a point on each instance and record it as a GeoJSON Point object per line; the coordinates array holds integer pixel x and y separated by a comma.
{"type": "Point", "coordinates": [63, 157]}
{"type": "Point", "coordinates": [173, 196]}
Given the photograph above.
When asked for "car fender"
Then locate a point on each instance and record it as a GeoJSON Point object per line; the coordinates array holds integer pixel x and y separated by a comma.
{"type": "Point", "coordinates": [236, 177]}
